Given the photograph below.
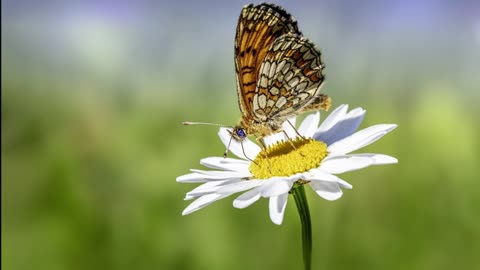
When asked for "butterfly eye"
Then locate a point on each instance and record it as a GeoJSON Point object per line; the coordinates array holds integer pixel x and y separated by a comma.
{"type": "Point", "coordinates": [241, 133]}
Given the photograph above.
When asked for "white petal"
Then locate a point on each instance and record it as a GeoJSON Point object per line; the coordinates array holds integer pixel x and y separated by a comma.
{"type": "Point", "coordinates": [202, 202]}
{"type": "Point", "coordinates": [277, 207]}
{"type": "Point", "coordinates": [251, 149]}
{"type": "Point", "coordinates": [379, 159]}
{"type": "Point", "coordinates": [327, 190]}
{"type": "Point", "coordinates": [344, 184]}
{"type": "Point", "coordinates": [280, 136]}
{"type": "Point", "coordinates": [360, 139]}
{"type": "Point", "coordinates": [275, 186]}
{"type": "Point", "coordinates": [309, 125]}
{"type": "Point", "coordinates": [226, 164]}
{"type": "Point", "coordinates": [199, 176]}
{"type": "Point", "coordinates": [333, 118]}
{"type": "Point", "coordinates": [240, 186]}
{"type": "Point", "coordinates": [274, 138]}
{"type": "Point", "coordinates": [189, 197]}
{"type": "Point", "coordinates": [218, 175]}
{"type": "Point", "coordinates": [246, 199]}
{"type": "Point", "coordinates": [343, 128]}
{"type": "Point", "coordinates": [194, 178]}
{"type": "Point", "coordinates": [316, 174]}
{"type": "Point", "coordinates": [209, 188]}
{"type": "Point", "coordinates": [341, 164]}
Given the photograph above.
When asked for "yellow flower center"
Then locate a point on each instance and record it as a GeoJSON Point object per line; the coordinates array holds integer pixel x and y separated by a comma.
{"type": "Point", "coordinates": [288, 158]}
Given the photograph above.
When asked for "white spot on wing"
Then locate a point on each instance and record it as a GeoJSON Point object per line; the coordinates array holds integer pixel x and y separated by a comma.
{"type": "Point", "coordinates": [274, 91]}
{"type": "Point", "coordinates": [280, 66]}
{"type": "Point", "coordinates": [266, 67]}
{"type": "Point", "coordinates": [314, 64]}
{"type": "Point", "coordinates": [296, 45]}
{"type": "Point", "coordinates": [308, 55]}
{"type": "Point", "coordinates": [303, 96]}
{"type": "Point", "coordinates": [262, 101]}
{"type": "Point", "coordinates": [276, 46]}
{"type": "Point", "coordinates": [263, 81]}
{"type": "Point", "coordinates": [270, 103]}
{"type": "Point", "coordinates": [280, 102]}
{"type": "Point", "coordinates": [289, 75]}
{"type": "Point", "coordinates": [255, 103]}
{"type": "Point", "coordinates": [286, 67]}
{"type": "Point", "coordinates": [300, 87]}
{"type": "Point", "coordinates": [273, 68]}
{"type": "Point", "coordinates": [293, 82]}
{"type": "Point", "coordinates": [286, 45]}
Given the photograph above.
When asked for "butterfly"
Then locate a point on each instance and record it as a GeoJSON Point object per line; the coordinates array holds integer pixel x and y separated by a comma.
{"type": "Point", "coordinates": [279, 72]}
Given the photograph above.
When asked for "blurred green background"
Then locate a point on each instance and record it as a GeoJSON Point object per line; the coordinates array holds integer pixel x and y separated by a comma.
{"type": "Point", "coordinates": [93, 94]}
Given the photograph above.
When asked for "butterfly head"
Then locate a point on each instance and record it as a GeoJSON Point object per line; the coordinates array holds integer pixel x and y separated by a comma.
{"type": "Point", "coordinates": [239, 133]}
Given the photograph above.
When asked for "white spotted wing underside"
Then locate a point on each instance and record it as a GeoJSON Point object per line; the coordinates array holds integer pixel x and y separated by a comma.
{"type": "Point", "coordinates": [289, 79]}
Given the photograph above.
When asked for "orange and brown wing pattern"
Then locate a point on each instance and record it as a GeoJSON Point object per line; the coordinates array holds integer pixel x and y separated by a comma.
{"type": "Point", "coordinates": [289, 80]}
{"type": "Point", "coordinates": [258, 27]}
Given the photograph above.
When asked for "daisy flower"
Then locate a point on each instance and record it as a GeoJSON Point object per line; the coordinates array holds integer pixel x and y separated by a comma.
{"type": "Point", "coordinates": [314, 156]}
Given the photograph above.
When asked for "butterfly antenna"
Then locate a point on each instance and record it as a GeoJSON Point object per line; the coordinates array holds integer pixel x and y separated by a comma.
{"type": "Point", "coordinates": [296, 131]}
{"type": "Point", "coordinates": [243, 150]}
{"type": "Point", "coordinates": [188, 123]}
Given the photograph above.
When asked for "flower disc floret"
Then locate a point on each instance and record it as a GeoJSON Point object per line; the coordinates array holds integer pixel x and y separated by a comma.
{"type": "Point", "coordinates": [287, 158]}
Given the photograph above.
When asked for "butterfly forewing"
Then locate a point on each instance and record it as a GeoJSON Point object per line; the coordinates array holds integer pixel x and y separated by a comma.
{"type": "Point", "coordinates": [289, 80]}
{"type": "Point", "coordinates": [258, 27]}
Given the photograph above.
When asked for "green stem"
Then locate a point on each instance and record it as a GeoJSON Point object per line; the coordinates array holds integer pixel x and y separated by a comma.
{"type": "Point", "coordinates": [298, 193]}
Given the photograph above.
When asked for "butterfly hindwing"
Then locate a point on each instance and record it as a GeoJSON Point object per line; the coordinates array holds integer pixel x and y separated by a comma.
{"type": "Point", "coordinates": [258, 27]}
{"type": "Point", "coordinates": [289, 80]}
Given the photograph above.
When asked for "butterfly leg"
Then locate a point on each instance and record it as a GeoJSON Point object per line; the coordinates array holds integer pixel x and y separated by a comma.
{"type": "Point", "coordinates": [264, 150]}
{"type": "Point", "coordinates": [296, 131]}
{"type": "Point", "coordinates": [289, 140]}
{"type": "Point", "coordinates": [261, 143]}
{"type": "Point", "coordinates": [228, 147]}
{"type": "Point", "coordinates": [243, 150]}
